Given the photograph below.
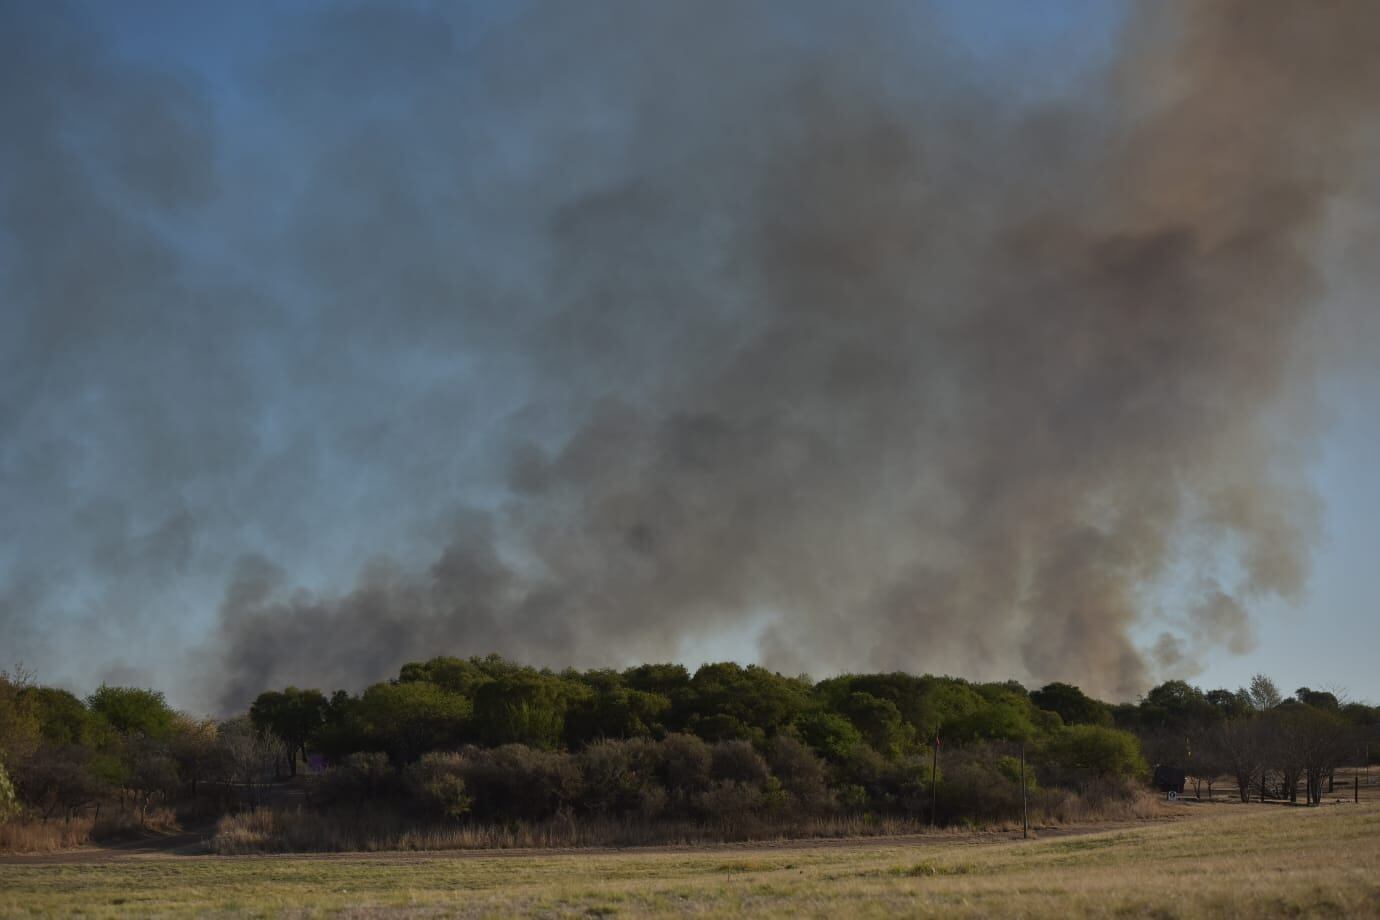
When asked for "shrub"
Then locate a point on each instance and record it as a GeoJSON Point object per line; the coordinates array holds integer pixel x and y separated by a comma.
{"type": "Point", "coordinates": [729, 803]}
{"type": "Point", "coordinates": [1085, 751]}
{"type": "Point", "coordinates": [683, 764]}
{"type": "Point", "coordinates": [618, 777]}
{"type": "Point", "coordinates": [833, 736]}
{"type": "Point", "coordinates": [800, 772]}
{"type": "Point", "coordinates": [736, 761]}
{"type": "Point", "coordinates": [975, 785]}
{"type": "Point", "coordinates": [358, 778]}
{"type": "Point", "coordinates": [9, 801]}
{"type": "Point", "coordinates": [516, 781]}
{"type": "Point", "coordinates": [437, 783]}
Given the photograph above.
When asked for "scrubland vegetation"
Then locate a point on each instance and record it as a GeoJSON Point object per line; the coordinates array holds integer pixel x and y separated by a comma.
{"type": "Point", "coordinates": [486, 753]}
{"type": "Point", "coordinates": [1223, 862]}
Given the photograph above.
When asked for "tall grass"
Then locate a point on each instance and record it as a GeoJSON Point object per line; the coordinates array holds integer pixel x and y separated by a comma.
{"type": "Point", "coordinates": [31, 835]}
{"type": "Point", "coordinates": [269, 830]}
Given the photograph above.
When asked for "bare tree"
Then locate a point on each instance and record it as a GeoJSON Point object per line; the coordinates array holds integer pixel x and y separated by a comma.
{"type": "Point", "coordinates": [1238, 746]}
{"type": "Point", "coordinates": [251, 756]}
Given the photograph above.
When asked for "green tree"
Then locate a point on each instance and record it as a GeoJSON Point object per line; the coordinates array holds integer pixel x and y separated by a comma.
{"type": "Point", "coordinates": [830, 734]}
{"type": "Point", "coordinates": [526, 707]}
{"type": "Point", "coordinates": [758, 698]}
{"type": "Point", "coordinates": [9, 799]}
{"type": "Point", "coordinates": [20, 730]}
{"type": "Point", "coordinates": [293, 716]}
{"type": "Point", "coordinates": [133, 711]}
{"type": "Point", "coordinates": [1073, 705]}
{"type": "Point", "coordinates": [879, 722]}
{"type": "Point", "coordinates": [409, 719]}
{"type": "Point", "coordinates": [1096, 750]}
{"type": "Point", "coordinates": [62, 717]}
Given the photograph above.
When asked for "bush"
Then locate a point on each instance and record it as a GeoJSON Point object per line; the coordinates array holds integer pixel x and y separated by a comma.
{"type": "Point", "coordinates": [1086, 751]}
{"type": "Point", "coordinates": [801, 774]}
{"type": "Point", "coordinates": [359, 778]}
{"type": "Point", "coordinates": [9, 801]}
{"type": "Point", "coordinates": [976, 785]}
{"type": "Point", "coordinates": [683, 764]}
{"type": "Point", "coordinates": [516, 781]}
{"type": "Point", "coordinates": [833, 736]}
{"type": "Point", "coordinates": [729, 803]}
{"type": "Point", "coordinates": [437, 783]}
{"type": "Point", "coordinates": [736, 761]}
{"type": "Point", "coordinates": [618, 777]}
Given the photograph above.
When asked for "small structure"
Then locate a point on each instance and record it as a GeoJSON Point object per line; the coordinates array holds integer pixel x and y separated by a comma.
{"type": "Point", "coordinates": [1169, 779]}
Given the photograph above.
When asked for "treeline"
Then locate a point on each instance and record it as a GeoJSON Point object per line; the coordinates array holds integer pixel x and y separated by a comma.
{"type": "Point", "coordinates": [1266, 744]}
{"type": "Point", "coordinates": [486, 739]}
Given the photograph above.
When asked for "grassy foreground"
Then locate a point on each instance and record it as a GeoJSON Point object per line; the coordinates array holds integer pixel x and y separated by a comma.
{"type": "Point", "coordinates": [1234, 861]}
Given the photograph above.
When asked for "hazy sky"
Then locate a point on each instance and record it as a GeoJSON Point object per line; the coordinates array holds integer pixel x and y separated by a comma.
{"type": "Point", "coordinates": [332, 312]}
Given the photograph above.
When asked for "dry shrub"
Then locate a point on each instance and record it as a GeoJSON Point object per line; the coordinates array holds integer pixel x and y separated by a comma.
{"type": "Point", "coordinates": [29, 836]}
{"type": "Point", "coordinates": [1102, 800]}
{"type": "Point", "coordinates": [279, 831]}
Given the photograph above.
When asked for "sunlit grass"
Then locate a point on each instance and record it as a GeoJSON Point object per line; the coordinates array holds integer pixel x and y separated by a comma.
{"type": "Point", "coordinates": [1235, 861]}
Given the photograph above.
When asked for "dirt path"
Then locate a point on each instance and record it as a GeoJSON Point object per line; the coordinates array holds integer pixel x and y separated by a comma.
{"type": "Point", "coordinates": [192, 845]}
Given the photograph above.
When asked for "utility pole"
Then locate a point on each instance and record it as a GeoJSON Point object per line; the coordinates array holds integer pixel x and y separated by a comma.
{"type": "Point", "coordinates": [934, 776]}
{"type": "Point", "coordinates": [1025, 814]}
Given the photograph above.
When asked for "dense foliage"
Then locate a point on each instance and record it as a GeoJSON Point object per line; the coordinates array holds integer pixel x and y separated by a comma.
{"type": "Point", "coordinates": [491, 740]}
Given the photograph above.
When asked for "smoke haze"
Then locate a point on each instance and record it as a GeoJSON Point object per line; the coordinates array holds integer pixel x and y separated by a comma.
{"type": "Point", "coordinates": [591, 332]}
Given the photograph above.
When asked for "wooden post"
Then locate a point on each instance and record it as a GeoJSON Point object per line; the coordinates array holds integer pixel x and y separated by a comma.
{"type": "Point", "coordinates": [1025, 814]}
{"type": "Point", "coordinates": [1356, 789]}
{"type": "Point", "coordinates": [934, 777]}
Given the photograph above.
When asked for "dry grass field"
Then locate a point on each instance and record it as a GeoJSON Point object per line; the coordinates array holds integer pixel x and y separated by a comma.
{"type": "Point", "coordinates": [1214, 860]}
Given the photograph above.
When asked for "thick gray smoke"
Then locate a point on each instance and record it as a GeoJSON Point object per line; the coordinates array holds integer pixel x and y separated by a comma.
{"type": "Point", "coordinates": [765, 322]}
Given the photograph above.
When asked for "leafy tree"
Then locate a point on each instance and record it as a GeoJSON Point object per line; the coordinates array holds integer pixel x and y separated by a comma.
{"type": "Point", "coordinates": [9, 799]}
{"type": "Point", "coordinates": [457, 675]}
{"type": "Point", "coordinates": [133, 711]}
{"type": "Point", "coordinates": [1176, 705]}
{"type": "Point", "coordinates": [833, 736]}
{"type": "Point", "coordinates": [1318, 699]}
{"type": "Point", "coordinates": [1002, 720]}
{"type": "Point", "coordinates": [1096, 750]}
{"type": "Point", "coordinates": [1073, 705]}
{"type": "Point", "coordinates": [62, 717]}
{"type": "Point", "coordinates": [754, 696]}
{"type": "Point", "coordinates": [801, 772]}
{"type": "Point", "coordinates": [409, 719]}
{"type": "Point", "coordinates": [526, 707]}
{"type": "Point", "coordinates": [20, 730]}
{"type": "Point", "coordinates": [879, 722]}
{"type": "Point", "coordinates": [1262, 694]}
{"type": "Point", "coordinates": [668, 680]}
{"type": "Point", "coordinates": [438, 782]}
{"type": "Point", "coordinates": [1229, 705]}
{"type": "Point", "coordinates": [293, 716]}
{"type": "Point", "coordinates": [614, 712]}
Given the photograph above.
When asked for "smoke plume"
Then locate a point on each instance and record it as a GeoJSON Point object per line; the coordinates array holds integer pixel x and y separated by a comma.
{"type": "Point", "coordinates": [631, 325]}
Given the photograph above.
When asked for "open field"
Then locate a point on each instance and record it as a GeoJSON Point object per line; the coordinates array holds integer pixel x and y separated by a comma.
{"type": "Point", "coordinates": [1213, 860]}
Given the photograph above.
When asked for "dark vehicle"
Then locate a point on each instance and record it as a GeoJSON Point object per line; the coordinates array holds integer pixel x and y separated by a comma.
{"type": "Point", "coordinates": [1169, 779]}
